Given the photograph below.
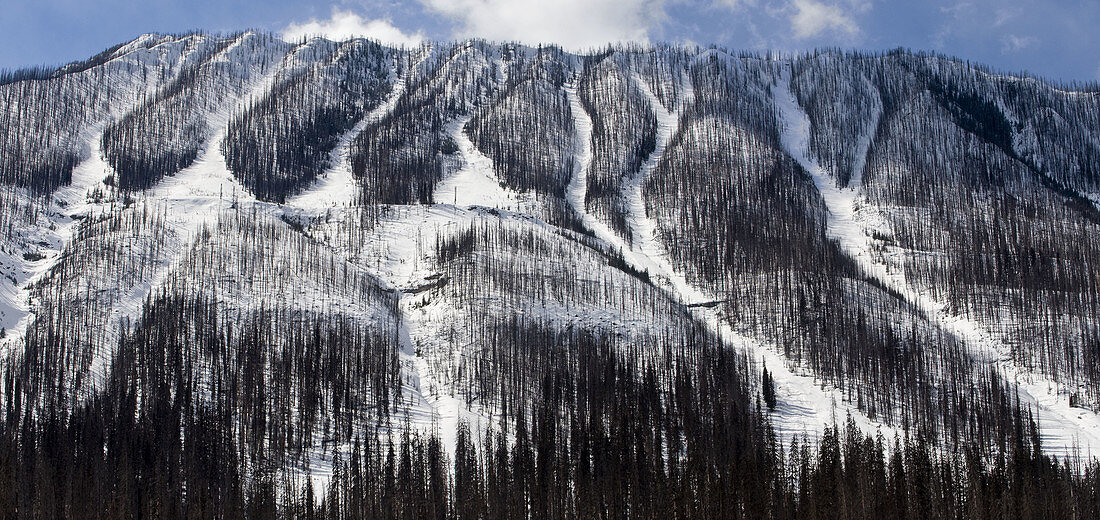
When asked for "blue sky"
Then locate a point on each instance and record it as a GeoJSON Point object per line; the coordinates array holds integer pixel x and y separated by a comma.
{"type": "Point", "coordinates": [1058, 39]}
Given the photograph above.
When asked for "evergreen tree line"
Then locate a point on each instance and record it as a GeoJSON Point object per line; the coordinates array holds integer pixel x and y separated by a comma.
{"type": "Point", "coordinates": [284, 141]}
{"type": "Point", "coordinates": [603, 438]}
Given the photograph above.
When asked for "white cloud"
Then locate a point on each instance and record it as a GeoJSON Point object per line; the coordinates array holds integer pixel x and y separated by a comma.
{"type": "Point", "coordinates": [1012, 43]}
{"type": "Point", "coordinates": [734, 4]}
{"type": "Point", "coordinates": [811, 18]}
{"type": "Point", "coordinates": [573, 24]}
{"type": "Point", "coordinates": [344, 25]}
{"type": "Point", "coordinates": [1003, 16]}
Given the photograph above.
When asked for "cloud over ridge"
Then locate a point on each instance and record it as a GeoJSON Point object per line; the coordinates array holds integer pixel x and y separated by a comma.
{"type": "Point", "coordinates": [343, 25]}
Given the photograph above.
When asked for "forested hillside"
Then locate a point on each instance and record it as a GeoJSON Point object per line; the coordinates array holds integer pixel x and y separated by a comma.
{"type": "Point", "coordinates": [247, 277]}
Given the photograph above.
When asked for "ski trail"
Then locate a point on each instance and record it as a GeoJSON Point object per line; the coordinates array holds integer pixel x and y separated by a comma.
{"type": "Point", "coordinates": [191, 198]}
{"type": "Point", "coordinates": [337, 186]}
{"type": "Point", "coordinates": [475, 183]}
{"type": "Point", "coordinates": [804, 408]}
{"type": "Point", "coordinates": [644, 242]}
{"type": "Point", "coordinates": [68, 206]}
{"type": "Point", "coordinates": [1063, 429]}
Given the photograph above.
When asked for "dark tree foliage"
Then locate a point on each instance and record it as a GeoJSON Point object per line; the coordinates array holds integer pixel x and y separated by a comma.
{"type": "Point", "coordinates": [285, 140]}
{"type": "Point", "coordinates": [767, 388]}
{"type": "Point", "coordinates": [399, 158]}
{"type": "Point", "coordinates": [169, 130]}
{"type": "Point", "coordinates": [602, 438]}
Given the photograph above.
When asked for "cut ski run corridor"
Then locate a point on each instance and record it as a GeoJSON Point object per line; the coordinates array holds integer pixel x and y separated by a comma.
{"type": "Point", "coordinates": [336, 186]}
{"type": "Point", "coordinates": [67, 207]}
{"type": "Point", "coordinates": [1063, 428]}
{"type": "Point", "coordinates": [804, 407]}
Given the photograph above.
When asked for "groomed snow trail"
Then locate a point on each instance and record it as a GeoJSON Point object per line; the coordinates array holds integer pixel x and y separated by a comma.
{"type": "Point", "coordinates": [475, 183]}
{"type": "Point", "coordinates": [804, 408]}
{"type": "Point", "coordinates": [336, 186]}
{"type": "Point", "coordinates": [1063, 428]}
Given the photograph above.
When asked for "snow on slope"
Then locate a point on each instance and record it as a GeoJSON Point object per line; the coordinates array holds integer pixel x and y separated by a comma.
{"type": "Point", "coordinates": [475, 183]}
{"type": "Point", "coordinates": [189, 199]}
{"type": "Point", "coordinates": [87, 194]}
{"type": "Point", "coordinates": [399, 251]}
{"type": "Point", "coordinates": [336, 186]}
{"type": "Point", "coordinates": [68, 206]}
{"type": "Point", "coordinates": [850, 222]}
{"type": "Point", "coordinates": [804, 407]}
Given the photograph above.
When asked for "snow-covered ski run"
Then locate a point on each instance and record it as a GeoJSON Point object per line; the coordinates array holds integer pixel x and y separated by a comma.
{"type": "Point", "coordinates": [804, 407]}
{"type": "Point", "coordinates": [1065, 430]}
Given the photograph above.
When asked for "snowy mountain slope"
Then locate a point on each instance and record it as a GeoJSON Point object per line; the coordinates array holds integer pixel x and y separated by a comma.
{"type": "Point", "coordinates": [106, 87]}
{"type": "Point", "coordinates": [1065, 430]}
{"type": "Point", "coordinates": [166, 134]}
{"type": "Point", "coordinates": [336, 185]}
{"type": "Point", "coordinates": [341, 239]}
{"type": "Point", "coordinates": [968, 125]}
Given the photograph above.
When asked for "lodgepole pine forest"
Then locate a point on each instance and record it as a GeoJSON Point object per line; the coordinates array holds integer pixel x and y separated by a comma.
{"type": "Point", "coordinates": [248, 277]}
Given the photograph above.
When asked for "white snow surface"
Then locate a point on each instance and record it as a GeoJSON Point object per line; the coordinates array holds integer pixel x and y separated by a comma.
{"type": "Point", "coordinates": [475, 183]}
{"type": "Point", "coordinates": [804, 407]}
{"type": "Point", "coordinates": [1064, 430]}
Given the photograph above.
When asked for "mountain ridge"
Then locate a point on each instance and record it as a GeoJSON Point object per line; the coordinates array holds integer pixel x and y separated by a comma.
{"type": "Point", "coordinates": [904, 241]}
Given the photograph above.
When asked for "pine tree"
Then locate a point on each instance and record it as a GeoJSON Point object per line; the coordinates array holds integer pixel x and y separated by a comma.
{"type": "Point", "coordinates": [768, 389]}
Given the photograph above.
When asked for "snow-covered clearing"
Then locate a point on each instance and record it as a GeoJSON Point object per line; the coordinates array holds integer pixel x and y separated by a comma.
{"type": "Point", "coordinates": [337, 187]}
{"type": "Point", "coordinates": [804, 407]}
{"type": "Point", "coordinates": [1064, 429]}
{"type": "Point", "coordinates": [475, 182]}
